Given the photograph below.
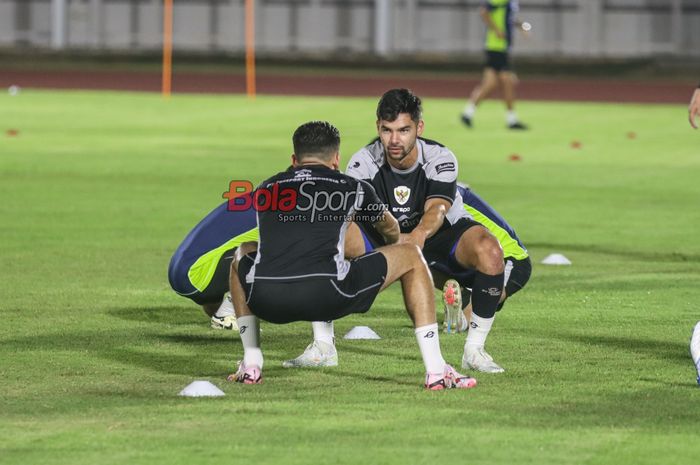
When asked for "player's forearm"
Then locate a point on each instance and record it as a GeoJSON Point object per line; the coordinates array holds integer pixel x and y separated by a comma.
{"type": "Point", "coordinates": [432, 220]}
{"type": "Point", "coordinates": [389, 229]}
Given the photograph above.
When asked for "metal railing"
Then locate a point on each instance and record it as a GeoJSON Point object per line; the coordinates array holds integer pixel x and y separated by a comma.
{"type": "Point", "coordinates": [564, 28]}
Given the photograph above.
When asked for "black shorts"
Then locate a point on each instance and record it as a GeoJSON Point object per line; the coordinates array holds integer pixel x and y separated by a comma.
{"type": "Point", "coordinates": [440, 248]}
{"type": "Point", "coordinates": [498, 61]}
{"type": "Point", "coordinates": [317, 299]}
{"type": "Point", "coordinates": [519, 275]}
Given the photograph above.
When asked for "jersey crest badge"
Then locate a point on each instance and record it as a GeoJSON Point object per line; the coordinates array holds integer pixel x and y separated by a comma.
{"type": "Point", "coordinates": [401, 194]}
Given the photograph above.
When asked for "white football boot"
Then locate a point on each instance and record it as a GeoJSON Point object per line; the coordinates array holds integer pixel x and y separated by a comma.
{"type": "Point", "coordinates": [317, 354]}
{"type": "Point", "coordinates": [454, 322]}
{"type": "Point", "coordinates": [225, 318]}
{"type": "Point", "coordinates": [476, 358]}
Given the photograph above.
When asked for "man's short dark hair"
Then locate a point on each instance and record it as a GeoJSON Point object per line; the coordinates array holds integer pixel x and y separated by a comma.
{"type": "Point", "coordinates": [316, 138]}
{"type": "Point", "coordinates": [398, 101]}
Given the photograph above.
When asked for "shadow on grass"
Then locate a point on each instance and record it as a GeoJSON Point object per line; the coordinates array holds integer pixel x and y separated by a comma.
{"type": "Point", "coordinates": [670, 351]}
{"type": "Point", "coordinates": [413, 357]}
{"type": "Point", "coordinates": [355, 376]}
{"type": "Point", "coordinates": [198, 364]}
{"type": "Point", "coordinates": [161, 342]}
{"type": "Point", "coordinates": [207, 340]}
{"type": "Point", "coordinates": [204, 355]}
{"type": "Point", "coordinates": [657, 408]}
{"type": "Point", "coordinates": [159, 315]}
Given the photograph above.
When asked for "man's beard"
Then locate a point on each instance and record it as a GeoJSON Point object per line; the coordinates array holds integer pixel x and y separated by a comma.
{"type": "Point", "coordinates": [404, 153]}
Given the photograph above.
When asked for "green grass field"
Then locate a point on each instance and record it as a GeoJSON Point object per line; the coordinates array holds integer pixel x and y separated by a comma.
{"type": "Point", "coordinates": [98, 189]}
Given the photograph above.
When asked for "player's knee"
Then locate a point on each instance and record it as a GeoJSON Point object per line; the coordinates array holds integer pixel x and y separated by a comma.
{"type": "Point", "coordinates": [490, 255]}
{"type": "Point", "coordinates": [412, 252]}
{"type": "Point", "coordinates": [410, 256]}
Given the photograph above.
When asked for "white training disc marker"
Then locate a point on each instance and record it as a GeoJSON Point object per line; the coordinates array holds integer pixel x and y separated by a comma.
{"type": "Point", "coordinates": [201, 388]}
{"type": "Point", "coordinates": [556, 259]}
{"type": "Point", "coordinates": [361, 332]}
{"type": "Point", "coordinates": [527, 27]}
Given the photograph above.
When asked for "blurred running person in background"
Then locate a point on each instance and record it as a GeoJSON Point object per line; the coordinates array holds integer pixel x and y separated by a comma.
{"type": "Point", "coordinates": [499, 17]}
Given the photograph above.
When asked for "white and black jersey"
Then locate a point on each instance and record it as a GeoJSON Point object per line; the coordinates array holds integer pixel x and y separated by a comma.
{"type": "Point", "coordinates": [302, 216]}
{"type": "Point", "coordinates": [405, 191]}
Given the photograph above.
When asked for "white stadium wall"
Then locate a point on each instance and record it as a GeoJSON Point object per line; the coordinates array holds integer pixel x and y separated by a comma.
{"type": "Point", "coordinates": [561, 28]}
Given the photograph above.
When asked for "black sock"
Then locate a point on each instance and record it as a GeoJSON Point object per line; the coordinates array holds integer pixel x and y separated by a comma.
{"type": "Point", "coordinates": [486, 292]}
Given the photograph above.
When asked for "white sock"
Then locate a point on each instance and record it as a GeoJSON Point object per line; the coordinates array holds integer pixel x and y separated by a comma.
{"type": "Point", "coordinates": [226, 307]}
{"type": "Point", "coordinates": [429, 345]}
{"type": "Point", "coordinates": [249, 329]}
{"type": "Point", "coordinates": [469, 110]}
{"type": "Point", "coordinates": [511, 117]}
{"type": "Point", "coordinates": [323, 331]}
{"type": "Point", "coordinates": [479, 330]}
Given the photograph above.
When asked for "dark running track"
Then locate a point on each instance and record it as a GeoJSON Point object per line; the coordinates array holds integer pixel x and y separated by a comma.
{"type": "Point", "coordinates": [579, 90]}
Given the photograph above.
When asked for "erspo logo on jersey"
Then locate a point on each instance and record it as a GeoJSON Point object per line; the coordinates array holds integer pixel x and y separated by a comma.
{"type": "Point", "coordinates": [242, 196]}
